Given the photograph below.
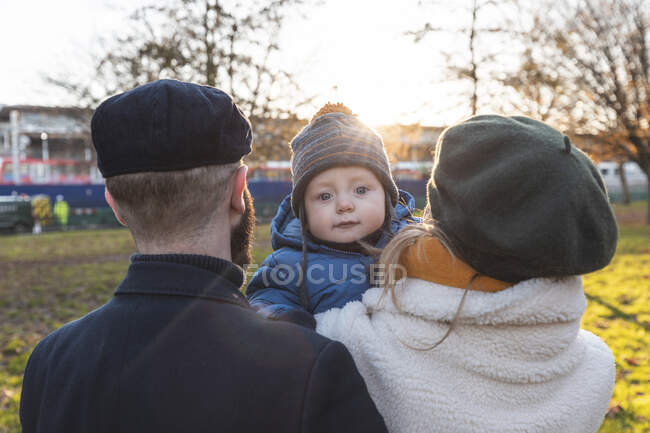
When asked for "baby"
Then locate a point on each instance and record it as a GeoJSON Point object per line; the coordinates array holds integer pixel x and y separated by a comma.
{"type": "Point", "coordinates": [344, 203]}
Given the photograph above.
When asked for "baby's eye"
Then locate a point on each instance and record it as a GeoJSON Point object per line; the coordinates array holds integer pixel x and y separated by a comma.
{"type": "Point", "coordinates": [361, 190]}
{"type": "Point", "coordinates": [325, 196]}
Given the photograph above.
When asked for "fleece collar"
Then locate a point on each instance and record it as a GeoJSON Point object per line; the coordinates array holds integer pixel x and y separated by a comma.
{"type": "Point", "coordinates": [523, 334]}
{"type": "Point", "coordinates": [530, 302]}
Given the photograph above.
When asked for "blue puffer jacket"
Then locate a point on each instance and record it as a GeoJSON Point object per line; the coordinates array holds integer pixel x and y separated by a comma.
{"type": "Point", "coordinates": [333, 277]}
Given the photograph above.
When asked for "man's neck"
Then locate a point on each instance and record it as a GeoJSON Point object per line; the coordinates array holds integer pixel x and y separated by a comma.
{"type": "Point", "coordinates": [213, 243]}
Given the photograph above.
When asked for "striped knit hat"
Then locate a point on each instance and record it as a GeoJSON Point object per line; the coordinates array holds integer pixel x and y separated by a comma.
{"type": "Point", "coordinates": [334, 138]}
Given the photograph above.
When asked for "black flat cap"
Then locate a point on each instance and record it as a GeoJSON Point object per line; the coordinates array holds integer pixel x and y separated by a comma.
{"type": "Point", "coordinates": [518, 201]}
{"type": "Point", "coordinates": [168, 125]}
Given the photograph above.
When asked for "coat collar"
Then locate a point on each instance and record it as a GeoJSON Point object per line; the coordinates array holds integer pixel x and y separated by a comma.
{"type": "Point", "coordinates": [184, 275]}
{"type": "Point", "coordinates": [535, 301]}
{"type": "Point", "coordinates": [527, 333]}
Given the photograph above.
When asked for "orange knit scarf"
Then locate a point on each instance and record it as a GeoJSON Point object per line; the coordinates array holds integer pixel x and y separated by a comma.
{"type": "Point", "coordinates": [429, 260]}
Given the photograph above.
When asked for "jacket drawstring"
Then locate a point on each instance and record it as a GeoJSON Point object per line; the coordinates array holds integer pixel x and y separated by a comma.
{"type": "Point", "coordinates": [302, 291]}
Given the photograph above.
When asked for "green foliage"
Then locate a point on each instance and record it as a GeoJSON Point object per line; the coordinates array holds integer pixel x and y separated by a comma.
{"type": "Point", "coordinates": [51, 279]}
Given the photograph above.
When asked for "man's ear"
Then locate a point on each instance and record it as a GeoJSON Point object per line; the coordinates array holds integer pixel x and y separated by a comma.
{"type": "Point", "coordinates": [237, 203]}
{"type": "Point", "coordinates": [111, 203]}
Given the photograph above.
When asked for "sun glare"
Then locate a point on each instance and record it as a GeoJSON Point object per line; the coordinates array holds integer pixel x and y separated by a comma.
{"type": "Point", "coordinates": [364, 61]}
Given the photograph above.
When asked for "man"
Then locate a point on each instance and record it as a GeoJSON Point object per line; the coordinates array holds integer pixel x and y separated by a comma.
{"type": "Point", "coordinates": [178, 348]}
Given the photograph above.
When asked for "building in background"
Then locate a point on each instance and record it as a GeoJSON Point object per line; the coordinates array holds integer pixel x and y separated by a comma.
{"type": "Point", "coordinates": [55, 154]}
{"type": "Point", "coordinates": [410, 142]}
{"type": "Point", "coordinates": [47, 132]}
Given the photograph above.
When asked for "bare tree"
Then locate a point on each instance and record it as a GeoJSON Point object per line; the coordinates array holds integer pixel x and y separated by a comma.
{"type": "Point", "coordinates": [539, 91]}
{"type": "Point", "coordinates": [471, 65]}
{"type": "Point", "coordinates": [596, 54]}
{"type": "Point", "coordinates": [220, 43]}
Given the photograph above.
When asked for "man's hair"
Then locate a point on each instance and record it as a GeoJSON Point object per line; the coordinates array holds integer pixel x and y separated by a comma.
{"type": "Point", "coordinates": [171, 204]}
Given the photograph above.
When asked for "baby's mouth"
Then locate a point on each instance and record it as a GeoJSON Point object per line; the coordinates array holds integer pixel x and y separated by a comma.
{"type": "Point", "coordinates": [346, 225]}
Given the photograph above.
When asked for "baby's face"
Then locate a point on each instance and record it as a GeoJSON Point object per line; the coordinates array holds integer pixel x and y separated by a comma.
{"type": "Point", "coordinates": [344, 204]}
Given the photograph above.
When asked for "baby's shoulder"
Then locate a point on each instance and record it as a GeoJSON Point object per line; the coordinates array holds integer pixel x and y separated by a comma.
{"type": "Point", "coordinates": [284, 255]}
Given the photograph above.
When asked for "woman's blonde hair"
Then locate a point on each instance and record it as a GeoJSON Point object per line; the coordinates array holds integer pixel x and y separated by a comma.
{"type": "Point", "coordinates": [391, 255]}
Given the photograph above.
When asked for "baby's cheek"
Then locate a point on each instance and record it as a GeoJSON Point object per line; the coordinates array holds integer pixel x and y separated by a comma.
{"type": "Point", "coordinates": [375, 219]}
{"type": "Point", "coordinates": [379, 221]}
{"type": "Point", "coordinates": [319, 224]}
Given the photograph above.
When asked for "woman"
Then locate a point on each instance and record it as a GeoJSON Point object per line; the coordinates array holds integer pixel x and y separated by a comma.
{"type": "Point", "coordinates": [484, 333]}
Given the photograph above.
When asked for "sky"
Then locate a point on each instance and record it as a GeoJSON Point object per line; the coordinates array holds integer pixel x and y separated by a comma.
{"type": "Point", "coordinates": [352, 51]}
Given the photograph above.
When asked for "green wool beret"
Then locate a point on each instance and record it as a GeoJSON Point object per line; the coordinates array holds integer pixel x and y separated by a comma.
{"type": "Point", "coordinates": [518, 201]}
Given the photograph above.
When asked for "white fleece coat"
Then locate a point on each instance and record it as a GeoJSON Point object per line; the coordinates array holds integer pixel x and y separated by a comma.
{"type": "Point", "coordinates": [517, 360]}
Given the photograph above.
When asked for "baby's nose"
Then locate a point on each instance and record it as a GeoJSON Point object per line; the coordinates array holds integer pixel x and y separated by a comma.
{"type": "Point", "coordinates": [344, 205]}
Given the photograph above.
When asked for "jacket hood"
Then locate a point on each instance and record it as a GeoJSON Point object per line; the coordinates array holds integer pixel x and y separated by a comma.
{"type": "Point", "coordinates": [286, 230]}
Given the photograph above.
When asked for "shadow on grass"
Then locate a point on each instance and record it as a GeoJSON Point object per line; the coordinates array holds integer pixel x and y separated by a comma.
{"type": "Point", "coordinates": [617, 312]}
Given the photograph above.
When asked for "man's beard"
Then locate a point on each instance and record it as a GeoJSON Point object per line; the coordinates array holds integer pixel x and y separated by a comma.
{"type": "Point", "coordinates": [241, 237]}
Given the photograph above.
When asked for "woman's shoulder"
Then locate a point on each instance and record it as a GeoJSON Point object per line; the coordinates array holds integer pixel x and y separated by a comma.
{"type": "Point", "coordinates": [345, 324]}
{"type": "Point", "coordinates": [597, 353]}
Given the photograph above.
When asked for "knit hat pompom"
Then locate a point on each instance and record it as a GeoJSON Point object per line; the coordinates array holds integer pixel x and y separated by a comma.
{"type": "Point", "coordinates": [333, 108]}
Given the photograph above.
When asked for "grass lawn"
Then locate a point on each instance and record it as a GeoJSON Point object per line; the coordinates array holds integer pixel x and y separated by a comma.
{"type": "Point", "coordinates": [48, 280]}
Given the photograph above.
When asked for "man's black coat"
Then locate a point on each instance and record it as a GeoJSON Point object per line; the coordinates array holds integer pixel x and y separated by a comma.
{"type": "Point", "coordinates": [179, 349]}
